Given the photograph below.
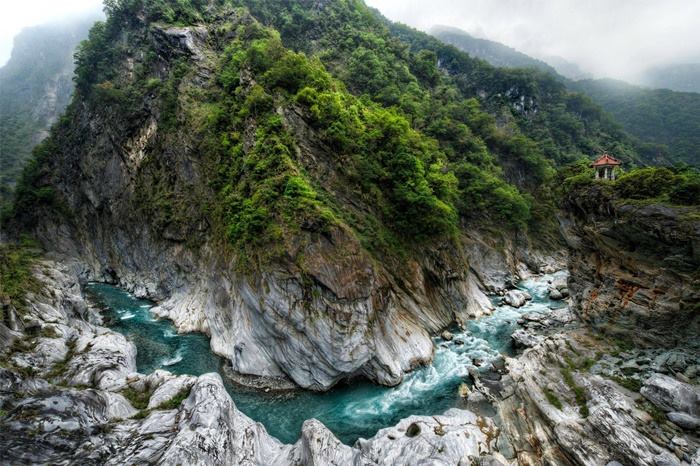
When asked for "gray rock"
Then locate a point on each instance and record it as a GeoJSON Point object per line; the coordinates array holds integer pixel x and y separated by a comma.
{"type": "Point", "coordinates": [211, 431]}
{"type": "Point", "coordinates": [516, 298]}
{"type": "Point", "coordinates": [670, 394]}
{"type": "Point", "coordinates": [555, 294]}
{"type": "Point", "coordinates": [169, 389]}
{"type": "Point", "coordinates": [318, 446]}
{"type": "Point", "coordinates": [665, 459]}
{"type": "Point", "coordinates": [447, 336]}
{"type": "Point", "coordinates": [445, 440]}
{"type": "Point", "coordinates": [525, 339]}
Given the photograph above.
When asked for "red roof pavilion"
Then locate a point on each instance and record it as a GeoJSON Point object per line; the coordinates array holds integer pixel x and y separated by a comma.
{"type": "Point", "coordinates": [606, 160]}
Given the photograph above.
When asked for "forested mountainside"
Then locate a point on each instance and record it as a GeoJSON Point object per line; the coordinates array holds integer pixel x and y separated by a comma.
{"type": "Point", "coordinates": [304, 153]}
{"type": "Point", "coordinates": [35, 88]}
{"type": "Point", "coordinates": [493, 52]}
{"type": "Point", "coordinates": [319, 193]}
{"type": "Point", "coordinates": [389, 62]}
{"type": "Point", "coordinates": [658, 116]}
{"type": "Point", "coordinates": [496, 134]}
{"type": "Point", "coordinates": [665, 123]}
{"type": "Point", "coordinates": [301, 151]}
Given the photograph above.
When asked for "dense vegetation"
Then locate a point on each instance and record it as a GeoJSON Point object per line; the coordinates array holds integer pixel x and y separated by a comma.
{"type": "Point", "coordinates": [657, 116]}
{"type": "Point", "coordinates": [16, 278]}
{"type": "Point", "coordinates": [665, 125]}
{"type": "Point", "coordinates": [674, 186]}
{"type": "Point", "coordinates": [35, 87]}
{"type": "Point", "coordinates": [422, 138]}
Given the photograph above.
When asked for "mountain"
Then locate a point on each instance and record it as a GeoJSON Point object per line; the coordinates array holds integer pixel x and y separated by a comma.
{"type": "Point", "coordinates": [493, 52]}
{"type": "Point", "coordinates": [35, 88]}
{"type": "Point", "coordinates": [656, 116]}
{"type": "Point", "coordinates": [567, 69]}
{"type": "Point", "coordinates": [300, 153]}
{"type": "Point", "coordinates": [319, 193]}
{"type": "Point", "coordinates": [663, 123]}
{"type": "Point", "coordinates": [680, 77]}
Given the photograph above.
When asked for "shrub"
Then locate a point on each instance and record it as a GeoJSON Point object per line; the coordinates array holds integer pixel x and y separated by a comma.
{"type": "Point", "coordinates": [552, 398]}
{"type": "Point", "coordinates": [175, 401]}
{"type": "Point", "coordinates": [16, 277]}
{"type": "Point", "coordinates": [645, 183]}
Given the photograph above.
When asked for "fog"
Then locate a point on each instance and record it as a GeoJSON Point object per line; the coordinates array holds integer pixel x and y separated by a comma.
{"type": "Point", "coordinates": [609, 38]}
{"type": "Point", "coordinates": [16, 15]}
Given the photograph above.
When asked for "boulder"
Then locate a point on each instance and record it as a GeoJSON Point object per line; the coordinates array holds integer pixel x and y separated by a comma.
{"type": "Point", "coordinates": [670, 394]}
{"type": "Point", "coordinates": [684, 420]}
{"type": "Point", "coordinates": [524, 339]}
{"type": "Point", "coordinates": [555, 294]}
{"type": "Point", "coordinates": [666, 459]}
{"type": "Point", "coordinates": [447, 336]}
{"type": "Point", "coordinates": [516, 298]}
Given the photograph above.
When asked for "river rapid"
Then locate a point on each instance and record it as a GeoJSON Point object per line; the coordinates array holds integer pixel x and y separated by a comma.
{"type": "Point", "coordinates": [350, 410]}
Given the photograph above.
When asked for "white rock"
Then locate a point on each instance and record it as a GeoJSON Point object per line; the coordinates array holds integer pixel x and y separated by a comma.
{"type": "Point", "coordinates": [516, 298]}
{"type": "Point", "coordinates": [670, 394]}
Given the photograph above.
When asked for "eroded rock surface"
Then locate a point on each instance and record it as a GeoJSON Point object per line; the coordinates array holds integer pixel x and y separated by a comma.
{"type": "Point", "coordinates": [634, 268]}
{"type": "Point", "coordinates": [85, 404]}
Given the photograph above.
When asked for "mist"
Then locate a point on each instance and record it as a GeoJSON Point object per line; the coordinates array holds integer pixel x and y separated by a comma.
{"type": "Point", "coordinates": [607, 38]}
{"type": "Point", "coordinates": [18, 15]}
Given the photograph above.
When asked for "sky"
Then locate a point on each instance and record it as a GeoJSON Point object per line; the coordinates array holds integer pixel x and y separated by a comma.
{"type": "Point", "coordinates": [608, 38]}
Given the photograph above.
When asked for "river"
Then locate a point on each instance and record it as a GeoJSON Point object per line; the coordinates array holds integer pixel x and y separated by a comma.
{"type": "Point", "coordinates": [350, 410]}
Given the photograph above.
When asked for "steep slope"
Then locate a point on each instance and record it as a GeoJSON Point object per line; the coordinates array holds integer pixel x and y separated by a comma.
{"type": "Point", "coordinates": [35, 88]}
{"type": "Point", "coordinates": [656, 116]}
{"type": "Point", "coordinates": [61, 368]}
{"type": "Point", "coordinates": [539, 120]}
{"type": "Point", "coordinates": [635, 263]}
{"type": "Point", "coordinates": [663, 124]}
{"type": "Point", "coordinates": [493, 52]}
{"type": "Point", "coordinates": [314, 235]}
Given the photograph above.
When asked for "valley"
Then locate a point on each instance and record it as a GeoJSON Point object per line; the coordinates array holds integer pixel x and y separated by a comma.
{"type": "Point", "coordinates": [296, 233]}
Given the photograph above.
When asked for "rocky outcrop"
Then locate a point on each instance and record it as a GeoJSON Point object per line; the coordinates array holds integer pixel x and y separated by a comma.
{"type": "Point", "coordinates": [634, 268]}
{"type": "Point", "coordinates": [557, 411]}
{"type": "Point", "coordinates": [83, 403]}
{"type": "Point", "coordinates": [671, 395]}
{"type": "Point", "coordinates": [516, 298]}
{"type": "Point", "coordinates": [326, 308]}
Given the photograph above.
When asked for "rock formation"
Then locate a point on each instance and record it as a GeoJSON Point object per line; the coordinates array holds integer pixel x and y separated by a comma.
{"type": "Point", "coordinates": [634, 268]}
{"type": "Point", "coordinates": [76, 405]}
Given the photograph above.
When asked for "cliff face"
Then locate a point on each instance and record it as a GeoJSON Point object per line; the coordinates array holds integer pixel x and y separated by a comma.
{"type": "Point", "coordinates": [634, 268]}
{"type": "Point", "coordinates": [138, 200]}
{"type": "Point", "coordinates": [35, 88]}
{"type": "Point", "coordinates": [70, 393]}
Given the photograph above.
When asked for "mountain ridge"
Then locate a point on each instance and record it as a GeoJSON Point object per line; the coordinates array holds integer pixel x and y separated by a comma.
{"type": "Point", "coordinates": [665, 122]}
{"type": "Point", "coordinates": [35, 87]}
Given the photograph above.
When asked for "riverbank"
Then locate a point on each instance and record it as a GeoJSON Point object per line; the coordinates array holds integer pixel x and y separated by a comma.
{"type": "Point", "coordinates": [354, 409]}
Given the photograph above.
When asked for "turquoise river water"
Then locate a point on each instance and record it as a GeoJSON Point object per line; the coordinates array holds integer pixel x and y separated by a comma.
{"type": "Point", "coordinates": [353, 410]}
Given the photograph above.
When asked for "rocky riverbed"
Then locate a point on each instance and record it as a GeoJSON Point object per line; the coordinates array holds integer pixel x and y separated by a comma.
{"type": "Point", "coordinates": [71, 393]}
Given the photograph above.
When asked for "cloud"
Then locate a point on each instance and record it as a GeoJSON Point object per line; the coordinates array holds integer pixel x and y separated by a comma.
{"type": "Point", "coordinates": [16, 15]}
{"type": "Point", "coordinates": [615, 38]}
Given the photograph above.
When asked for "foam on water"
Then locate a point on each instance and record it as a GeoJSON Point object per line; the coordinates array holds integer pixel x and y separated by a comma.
{"type": "Point", "coordinates": [172, 361]}
{"type": "Point", "coordinates": [351, 410]}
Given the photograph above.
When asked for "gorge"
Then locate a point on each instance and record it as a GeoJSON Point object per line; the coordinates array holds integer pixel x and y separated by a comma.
{"type": "Point", "coordinates": [297, 233]}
